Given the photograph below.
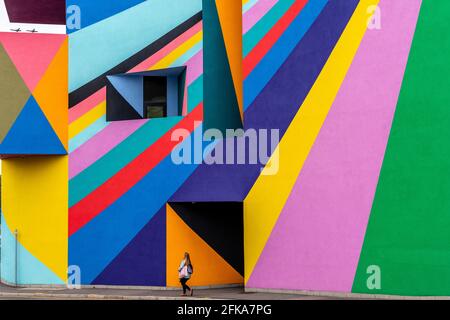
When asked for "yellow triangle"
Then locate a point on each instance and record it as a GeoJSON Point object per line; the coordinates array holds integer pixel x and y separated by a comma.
{"type": "Point", "coordinates": [209, 267]}
{"type": "Point", "coordinates": [230, 16]}
{"type": "Point", "coordinates": [51, 94]}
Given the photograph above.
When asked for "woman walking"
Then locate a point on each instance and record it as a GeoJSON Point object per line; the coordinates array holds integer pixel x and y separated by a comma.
{"type": "Point", "coordinates": [185, 272]}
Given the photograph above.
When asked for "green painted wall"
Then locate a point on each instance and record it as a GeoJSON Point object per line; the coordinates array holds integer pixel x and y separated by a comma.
{"type": "Point", "coordinates": [408, 235]}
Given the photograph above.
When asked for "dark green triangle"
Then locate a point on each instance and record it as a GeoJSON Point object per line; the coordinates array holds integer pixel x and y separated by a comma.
{"type": "Point", "coordinates": [221, 108]}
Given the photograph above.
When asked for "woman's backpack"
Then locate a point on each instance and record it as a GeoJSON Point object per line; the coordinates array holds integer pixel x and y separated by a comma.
{"type": "Point", "coordinates": [190, 269]}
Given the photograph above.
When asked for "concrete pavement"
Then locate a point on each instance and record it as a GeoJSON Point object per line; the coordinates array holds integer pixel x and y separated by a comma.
{"type": "Point", "coordinates": [7, 292]}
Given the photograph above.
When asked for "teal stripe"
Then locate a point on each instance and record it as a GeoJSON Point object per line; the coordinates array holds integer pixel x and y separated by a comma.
{"type": "Point", "coordinates": [111, 163]}
{"type": "Point", "coordinates": [263, 26]}
{"type": "Point", "coordinates": [195, 93]}
{"type": "Point", "coordinates": [87, 134]}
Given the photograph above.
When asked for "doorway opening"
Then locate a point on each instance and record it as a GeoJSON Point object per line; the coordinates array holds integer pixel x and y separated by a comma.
{"type": "Point", "coordinates": [213, 234]}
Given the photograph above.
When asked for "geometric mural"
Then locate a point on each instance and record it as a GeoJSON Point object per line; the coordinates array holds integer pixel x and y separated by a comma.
{"type": "Point", "coordinates": [36, 93]}
{"type": "Point", "coordinates": [338, 179]}
{"type": "Point", "coordinates": [368, 189]}
{"type": "Point", "coordinates": [407, 234]}
{"type": "Point", "coordinates": [137, 152]}
{"type": "Point", "coordinates": [357, 89]}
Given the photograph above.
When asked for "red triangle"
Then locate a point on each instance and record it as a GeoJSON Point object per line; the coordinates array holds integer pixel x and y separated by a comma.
{"type": "Point", "coordinates": [31, 53]}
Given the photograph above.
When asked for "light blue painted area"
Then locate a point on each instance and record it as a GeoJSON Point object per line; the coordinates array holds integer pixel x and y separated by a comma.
{"type": "Point", "coordinates": [131, 212]}
{"type": "Point", "coordinates": [274, 59]}
{"type": "Point", "coordinates": [131, 88]}
{"type": "Point", "coordinates": [249, 5]}
{"type": "Point", "coordinates": [172, 96]}
{"type": "Point", "coordinates": [30, 270]}
{"type": "Point", "coordinates": [101, 46]}
{"type": "Point", "coordinates": [7, 254]}
{"type": "Point", "coordinates": [87, 134]}
{"type": "Point", "coordinates": [188, 55]}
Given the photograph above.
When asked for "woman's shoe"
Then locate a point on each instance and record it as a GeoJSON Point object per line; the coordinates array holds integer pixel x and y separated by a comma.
{"type": "Point", "coordinates": [192, 292]}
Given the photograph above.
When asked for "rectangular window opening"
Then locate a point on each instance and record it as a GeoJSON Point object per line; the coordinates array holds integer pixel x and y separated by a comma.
{"type": "Point", "coordinates": [155, 97]}
{"type": "Point", "coordinates": [146, 95]}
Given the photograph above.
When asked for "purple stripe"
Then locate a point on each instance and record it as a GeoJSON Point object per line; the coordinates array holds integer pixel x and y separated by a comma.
{"type": "Point", "coordinates": [194, 68]}
{"type": "Point", "coordinates": [275, 107]}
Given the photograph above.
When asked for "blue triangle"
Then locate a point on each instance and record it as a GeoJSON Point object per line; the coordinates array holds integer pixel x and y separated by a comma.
{"type": "Point", "coordinates": [31, 134]}
{"type": "Point", "coordinates": [144, 258]}
{"type": "Point", "coordinates": [131, 88]}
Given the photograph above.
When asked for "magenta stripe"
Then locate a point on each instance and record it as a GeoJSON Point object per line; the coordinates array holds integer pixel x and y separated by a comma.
{"type": "Point", "coordinates": [253, 15]}
{"type": "Point", "coordinates": [100, 144]}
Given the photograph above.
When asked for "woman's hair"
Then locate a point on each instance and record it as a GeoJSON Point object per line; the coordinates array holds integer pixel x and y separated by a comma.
{"type": "Point", "coordinates": [187, 259]}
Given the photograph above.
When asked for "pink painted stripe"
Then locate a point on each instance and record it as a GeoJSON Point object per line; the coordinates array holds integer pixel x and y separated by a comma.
{"type": "Point", "coordinates": [147, 64]}
{"type": "Point", "coordinates": [318, 237]}
{"type": "Point", "coordinates": [87, 104]}
{"type": "Point", "coordinates": [100, 144]}
{"type": "Point", "coordinates": [255, 13]}
{"type": "Point", "coordinates": [194, 67]}
{"type": "Point", "coordinates": [185, 102]}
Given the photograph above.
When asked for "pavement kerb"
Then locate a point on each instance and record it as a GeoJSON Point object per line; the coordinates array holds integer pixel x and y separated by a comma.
{"type": "Point", "coordinates": [94, 296]}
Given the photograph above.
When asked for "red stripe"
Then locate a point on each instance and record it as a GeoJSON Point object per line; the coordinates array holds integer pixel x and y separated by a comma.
{"type": "Point", "coordinates": [105, 195]}
{"type": "Point", "coordinates": [261, 49]}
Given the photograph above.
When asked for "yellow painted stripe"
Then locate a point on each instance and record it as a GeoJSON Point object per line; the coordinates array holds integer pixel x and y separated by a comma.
{"type": "Point", "coordinates": [87, 119]}
{"type": "Point", "coordinates": [178, 52]}
{"type": "Point", "coordinates": [268, 196]}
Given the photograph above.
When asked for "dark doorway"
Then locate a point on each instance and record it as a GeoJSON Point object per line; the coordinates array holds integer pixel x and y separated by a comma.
{"type": "Point", "coordinates": [155, 97]}
{"type": "Point", "coordinates": [220, 225]}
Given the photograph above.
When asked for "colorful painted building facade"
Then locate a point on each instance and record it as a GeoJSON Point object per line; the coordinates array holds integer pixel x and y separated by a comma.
{"type": "Point", "coordinates": [355, 197]}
